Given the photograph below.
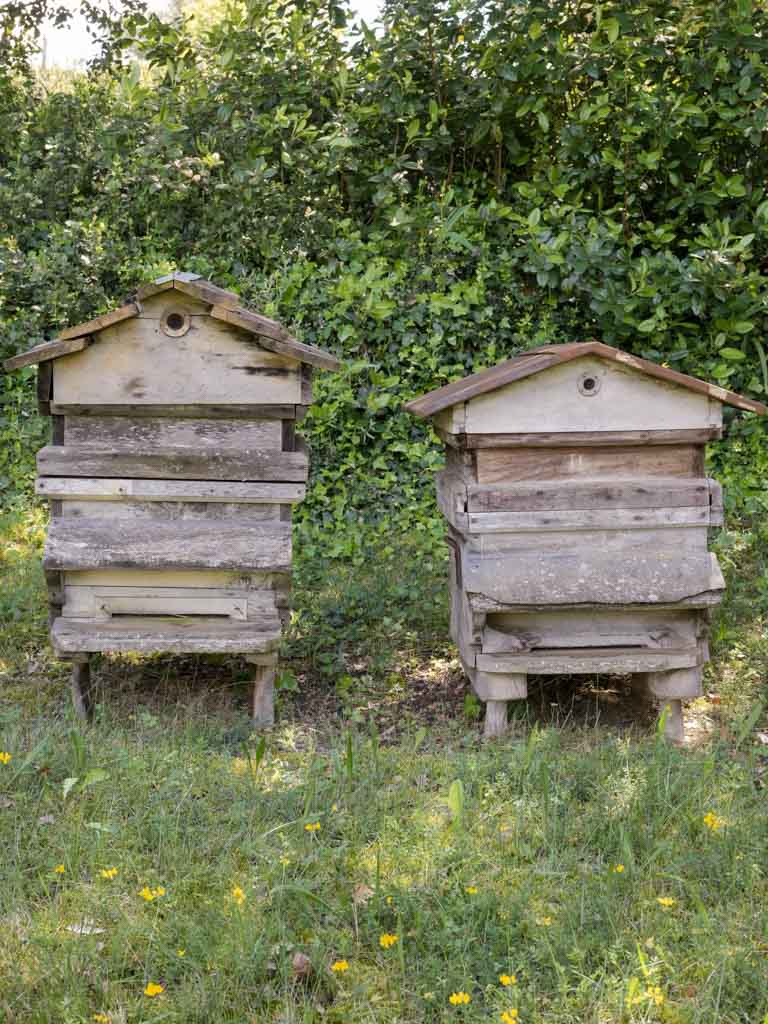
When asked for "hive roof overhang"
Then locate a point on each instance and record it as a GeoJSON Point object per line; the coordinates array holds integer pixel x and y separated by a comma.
{"type": "Point", "coordinates": [539, 359]}
{"type": "Point", "coordinates": [225, 306]}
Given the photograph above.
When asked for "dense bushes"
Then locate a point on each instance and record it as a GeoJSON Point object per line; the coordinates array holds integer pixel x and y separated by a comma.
{"type": "Point", "coordinates": [475, 179]}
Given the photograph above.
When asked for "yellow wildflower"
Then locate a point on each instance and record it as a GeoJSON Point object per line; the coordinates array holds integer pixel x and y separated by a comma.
{"type": "Point", "coordinates": [313, 826]}
{"type": "Point", "coordinates": [339, 966]}
{"type": "Point", "coordinates": [59, 869]}
{"type": "Point", "coordinates": [545, 921]}
{"type": "Point", "coordinates": [618, 869]}
{"type": "Point", "coordinates": [509, 1016]}
{"type": "Point", "coordinates": [386, 940]}
{"type": "Point", "coordinates": [471, 890]}
{"type": "Point", "coordinates": [153, 989]}
{"type": "Point", "coordinates": [666, 902]}
{"type": "Point", "coordinates": [181, 952]}
{"type": "Point", "coordinates": [654, 995]}
{"type": "Point", "coordinates": [238, 896]}
{"type": "Point", "coordinates": [508, 979]}
{"type": "Point", "coordinates": [334, 807]}
{"type": "Point", "coordinates": [101, 1018]}
{"type": "Point", "coordinates": [109, 873]}
{"type": "Point", "coordinates": [285, 861]}
{"type": "Point", "coordinates": [5, 757]}
{"type": "Point", "coordinates": [713, 822]}
{"type": "Point", "coordinates": [151, 894]}
{"type": "Point", "coordinates": [459, 998]}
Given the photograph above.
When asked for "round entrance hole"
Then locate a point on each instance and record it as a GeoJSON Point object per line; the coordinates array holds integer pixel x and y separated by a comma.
{"type": "Point", "coordinates": [175, 322]}
{"type": "Point", "coordinates": [589, 384]}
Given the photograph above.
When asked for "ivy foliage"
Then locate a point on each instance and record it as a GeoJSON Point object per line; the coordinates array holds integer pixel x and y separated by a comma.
{"type": "Point", "coordinates": [473, 179]}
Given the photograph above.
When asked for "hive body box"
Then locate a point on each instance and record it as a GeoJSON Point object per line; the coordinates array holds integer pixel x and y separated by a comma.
{"type": "Point", "coordinates": [172, 475]}
{"type": "Point", "coordinates": [578, 512]}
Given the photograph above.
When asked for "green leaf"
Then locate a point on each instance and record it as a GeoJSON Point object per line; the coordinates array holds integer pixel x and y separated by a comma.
{"type": "Point", "coordinates": [67, 785]}
{"type": "Point", "coordinates": [456, 802]}
{"type": "Point", "coordinates": [734, 354]}
{"type": "Point", "coordinates": [534, 217]}
{"type": "Point", "coordinates": [743, 327]}
{"type": "Point", "coordinates": [413, 129]}
{"type": "Point", "coordinates": [535, 29]}
{"type": "Point", "coordinates": [543, 120]}
{"type": "Point", "coordinates": [612, 28]}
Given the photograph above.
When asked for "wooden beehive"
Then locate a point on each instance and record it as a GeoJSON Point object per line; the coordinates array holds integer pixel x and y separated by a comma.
{"type": "Point", "coordinates": [578, 513]}
{"type": "Point", "coordinates": [172, 475]}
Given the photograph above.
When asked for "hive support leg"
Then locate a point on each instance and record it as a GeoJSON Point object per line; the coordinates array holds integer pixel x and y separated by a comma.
{"type": "Point", "coordinates": [497, 689]}
{"type": "Point", "coordinates": [671, 688]}
{"type": "Point", "coordinates": [262, 693]}
{"type": "Point", "coordinates": [82, 687]}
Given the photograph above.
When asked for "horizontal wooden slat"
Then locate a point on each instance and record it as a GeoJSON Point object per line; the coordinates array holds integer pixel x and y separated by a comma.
{"type": "Point", "coordinates": [595, 660]}
{"type": "Point", "coordinates": [197, 412]}
{"type": "Point", "coordinates": [649, 492]}
{"type": "Point", "coordinates": [508, 465]}
{"type": "Point", "coordinates": [181, 463]}
{"type": "Point", "coordinates": [94, 602]}
{"type": "Point", "coordinates": [127, 510]}
{"type": "Point", "coordinates": [44, 353]}
{"type": "Point", "coordinates": [154, 579]}
{"type": "Point", "coordinates": [584, 438]}
{"type": "Point", "coordinates": [175, 635]}
{"type": "Point", "coordinates": [145, 433]}
{"type": "Point", "coordinates": [99, 544]}
{"type": "Point", "coordinates": [169, 490]}
{"type": "Point", "coordinates": [585, 519]}
{"type": "Point", "coordinates": [589, 577]}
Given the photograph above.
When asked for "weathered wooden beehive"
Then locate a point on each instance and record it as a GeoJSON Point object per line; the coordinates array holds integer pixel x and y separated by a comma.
{"type": "Point", "coordinates": [172, 475]}
{"type": "Point", "coordinates": [578, 512]}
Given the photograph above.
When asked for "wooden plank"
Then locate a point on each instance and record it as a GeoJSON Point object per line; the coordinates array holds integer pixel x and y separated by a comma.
{"type": "Point", "coordinates": [586, 519]}
{"type": "Point", "coordinates": [589, 577]}
{"type": "Point", "coordinates": [628, 493]}
{"type": "Point", "coordinates": [614, 660]}
{"type": "Point", "coordinates": [202, 411]}
{"type": "Point", "coordinates": [510, 465]}
{"type": "Point", "coordinates": [206, 292]}
{"type": "Point", "coordinates": [98, 323]}
{"type": "Point", "coordinates": [149, 432]}
{"type": "Point", "coordinates": [620, 399]}
{"type": "Point", "coordinates": [668, 541]}
{"type": "Point", "coordinates": [274, 336]}
{"type": "Point", "coordinates": [96, 602]}
{"type": "Point", "coordinates": [97, 544]}
{"type": "Point", "coordinates": [187, 579]}
{"type": "Point", "coordinates": [170, 511]}
{"type": "Point", "coordinates": [135, 363]}
{"type": "Point", "coordinates": [175, 635]}
{"type": "Point", "coordinates": [180, 463]}
{"type": "Point", "coordinates": [587, 438]}
{"type": "Point", "coordinates": [169, 490]}
{"type": "Point", "coordinates": [47, 351]}
{"type": "Point", "coordinates": [536, 360]}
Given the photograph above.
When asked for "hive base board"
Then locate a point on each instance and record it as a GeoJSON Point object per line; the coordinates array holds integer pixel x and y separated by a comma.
{"type": "Point", "coordinates": [164, 635]}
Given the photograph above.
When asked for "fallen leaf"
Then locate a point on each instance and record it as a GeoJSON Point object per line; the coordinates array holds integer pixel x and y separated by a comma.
{"type": "Point", "coordinates": [86, 928]}
{"type": "Point", "coordinates": [361, 893]}
{"type": "Point", "coordinates": [762, 737]}
{"type": "Point", "coordinates": [5, 802]}
{"type": "Point", "coordinates": [302, 965]}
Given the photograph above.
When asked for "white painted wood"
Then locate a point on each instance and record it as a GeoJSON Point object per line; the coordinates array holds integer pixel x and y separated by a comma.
{"type": "Point", "coordinates": [624, 399]}
{"type": "Point", "coordinates": [106, 489]}
{"type": "Point", "coordinates": [168, 511]}
{"type": "Point", "coordinates": [104, 433]}
{"type": "Point", "coordinates": [154, 307]}
{"type": "Point", "coordinates": [135, 363]}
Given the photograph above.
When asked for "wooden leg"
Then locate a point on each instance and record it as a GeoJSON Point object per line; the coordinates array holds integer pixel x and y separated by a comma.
{"type": "Point", "coordinates": [82, 689]}
{"type": "Point", "coordinates": [495, 718]}
{"type": "Point", "coordinates": [674, 729]}
{"type": "Point", "coordinates": [263, 696]}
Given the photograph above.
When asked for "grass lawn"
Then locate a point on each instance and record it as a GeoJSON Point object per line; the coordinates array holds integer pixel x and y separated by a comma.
{"type": "Point", "coordinates": [371, 859]}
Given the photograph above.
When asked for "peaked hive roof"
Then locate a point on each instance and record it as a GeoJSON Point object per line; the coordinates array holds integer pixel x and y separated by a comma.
{"type": "Point", "coordinates": [539, 359]}
{"type": "Point", "coordinates": [224, 306]}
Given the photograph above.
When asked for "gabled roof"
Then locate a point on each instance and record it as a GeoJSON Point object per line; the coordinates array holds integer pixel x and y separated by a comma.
{"type": "Point", "coordinates": [224, 305]}
{"type": "Point", "coordinates": [538, 359]}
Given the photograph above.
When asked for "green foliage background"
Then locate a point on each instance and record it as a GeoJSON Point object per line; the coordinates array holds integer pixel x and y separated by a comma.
{"type": "Point", "coordinates": [474, 179]}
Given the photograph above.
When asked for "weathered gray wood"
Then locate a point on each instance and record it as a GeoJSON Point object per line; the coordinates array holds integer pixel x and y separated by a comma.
{"type": "Point", "coordinates": [102, 602]}
{"type": "Point", "coordinates": [673, 685]}
{"type": "Point", "coordinates": [495, 719]}
{"type": "Point", "coordinates": [513, 464]}
{"type": "Point", "coordinates": [589, 578]}
{"type": "Point", "coordinates": [155, 634]}
{"type": "Point", "coordinates": [583, 438]}
{"type": "Point", "coordinates": [226, 491]}
{"type": "Point", "coordinates": [45, 352]}
{"type": "Point", "coordinates": [582, 520]}
{"type": "Point", "coordinates": [674, 725]}
{"type": "Point", "coordinates": [169, 511]}
{"type": "Point", "coordinates": [596, 660]}
{"type": "Point", "coordinates": [82, 690]}
{"type": "Point", "coordinates": [263, 696]}
{"type": "Point", "coordinates": [274, 337]}
{"type": "Point", "coordinates": [179, 462]}
{"type": "Point", "coordinates": [149, 432]}
{"type": "Point", "coordinates": [550, 496]}
{"type": "Point", "coordinates": [201, 411]}
{"type": "Point", "coordinates": [500, 686]}
{"type": "Point", "coordinates": [96, 544]}
{"type": "Point", "coordinates": [98, 323]}
{"type": "Point", "coordinates": [669, 542]}
{"type": "Point", "coordinates": [134, 362]}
